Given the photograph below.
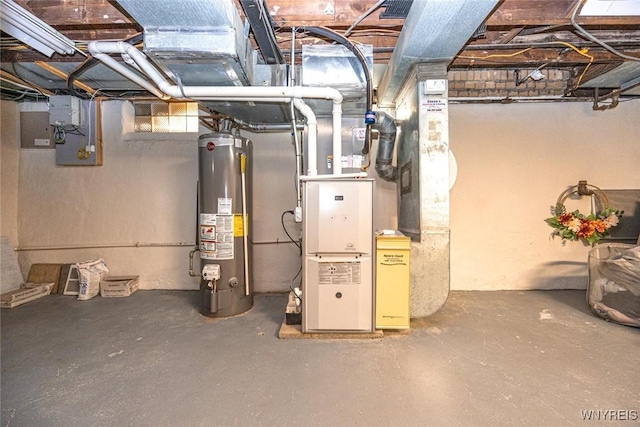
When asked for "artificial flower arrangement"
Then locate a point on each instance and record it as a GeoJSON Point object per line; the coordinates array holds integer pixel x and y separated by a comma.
{"type": "Point", "coordinates": [576, 226]}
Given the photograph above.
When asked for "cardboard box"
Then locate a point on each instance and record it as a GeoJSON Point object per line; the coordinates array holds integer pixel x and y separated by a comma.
{"type": "Point", "coordinates": [118, 286]}
{"type": "Point", "coordinates": [27, 292]}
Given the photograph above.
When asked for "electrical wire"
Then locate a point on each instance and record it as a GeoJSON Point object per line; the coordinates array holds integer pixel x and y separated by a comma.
{"type": "Point", "coordinates": [377, 32]}
{"type": "Point", "coordinates": [6, 97]}
{"type": "Point", "coordinates": [593, 38]}
{"type": "Point", "coordinates": [369, 114]}
{"type": "Point", "coordinates": [287, 232]}
{"type": "Point", "coordinates": [363, 16]}
{"type": "Point", "coordinates": [292, 283]}
{"type": "Point", "coordinates": [59, 135]}
{"type": "Point", "coordinates": [75, 130]}
{"type": "Point", "coordinates": [497, 55]}
{"type": "Point", "coordinates": [581, 51]}
{"type": "Point", "coordinates": [4, 79]}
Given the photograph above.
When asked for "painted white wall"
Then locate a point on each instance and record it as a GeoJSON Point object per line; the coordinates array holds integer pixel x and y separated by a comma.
{"type": "Point", "coordinates": [9, 164]}
{"type": "Point", "coordinates": [10, 278]}
{"type": "Point", "coordinates": [144, 192]}
{"type": "Point", "coordinates": [513, 162]}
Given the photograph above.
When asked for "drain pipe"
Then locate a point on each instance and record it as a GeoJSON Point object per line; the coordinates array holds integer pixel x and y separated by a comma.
{"type": "Point", "coordinates": [165, 90]}
{"type": "Point", "coordinates": [312, 123]}
{"type": "Point", "coordinates": [387, 140]}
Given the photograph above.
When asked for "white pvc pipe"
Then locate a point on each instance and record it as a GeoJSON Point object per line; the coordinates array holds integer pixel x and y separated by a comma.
{"type": "Point", "coordinates": [211, 92]}
{"type": "Point", "coordinates": [312, 123]}
{"type": "Point", "coordinates": [164, 90]}
{"type": "Point", "coordinates": [129, 74]}
{"type": "Point", "coordinates": [337, 140]}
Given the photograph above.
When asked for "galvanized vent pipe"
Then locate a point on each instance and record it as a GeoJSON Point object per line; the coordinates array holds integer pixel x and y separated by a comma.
{"type": "Point", "coordinates": [165, 90]}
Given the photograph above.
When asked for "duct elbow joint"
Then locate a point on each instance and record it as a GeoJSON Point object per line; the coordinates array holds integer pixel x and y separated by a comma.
{"type": "Point", "coordinates": [387, 140]}
{"type": "Point", "coordinates": [386, 170]}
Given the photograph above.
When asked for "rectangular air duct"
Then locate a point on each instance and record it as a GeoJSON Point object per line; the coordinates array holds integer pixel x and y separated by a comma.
{"type": "Point", "coordinates": [434, 32]}
{"type": "Point", "coordinates": [200, 42]}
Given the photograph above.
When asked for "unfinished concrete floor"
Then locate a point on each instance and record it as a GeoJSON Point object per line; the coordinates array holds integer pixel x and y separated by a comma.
{"type": "Point", "coordinates": [537, 358]}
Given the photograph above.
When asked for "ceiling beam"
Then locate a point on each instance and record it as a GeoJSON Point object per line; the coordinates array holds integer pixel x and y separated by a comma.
{"type": "Point", "coordinates": [20, 81]}
{"type": "Point", "coordinates": [65, 12]}
{"type": "Point", "coordinates": [517, 13]}
{"type": "Point", "coordinates": [533, 57]}
{"type": "Point", "coordinates": [59, 73]}
{"type": "Point", "coordinates": [301, 13]}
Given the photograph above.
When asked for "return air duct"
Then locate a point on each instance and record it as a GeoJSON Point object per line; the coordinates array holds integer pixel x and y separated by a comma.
{"type": "Point", "coordinates": [434, 31]}
{"type": "Point", "coordinates": [415, 83]}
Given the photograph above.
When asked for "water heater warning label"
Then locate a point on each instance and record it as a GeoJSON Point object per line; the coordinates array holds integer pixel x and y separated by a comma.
{"type": "Point", "coordinates": [339, 273]}
{"type": "Point", "coordinates": [216, 236]}
{"type": "Point", "coordinates": [224, 206]}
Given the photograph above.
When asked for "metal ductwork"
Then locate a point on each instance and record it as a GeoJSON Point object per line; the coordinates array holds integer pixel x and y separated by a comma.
{"type": "Point", "coordinates": [386, 141]}
{"type": "Point", "coordinates": [197, 42]}
{"type": "Point", "coordinates": [257, 14]}
{"type": "Point", "coordinates": [415, 82]}
{"type": "Point", "coordinates": [434, 31]}
{"type": "Point", "coordinates": [625, 76]}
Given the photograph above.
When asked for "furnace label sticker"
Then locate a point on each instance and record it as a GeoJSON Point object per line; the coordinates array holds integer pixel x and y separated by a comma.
{"type": "Point", "coordinates": [224, 206]}
{"type": "Point", "coordinates": [339, 273]}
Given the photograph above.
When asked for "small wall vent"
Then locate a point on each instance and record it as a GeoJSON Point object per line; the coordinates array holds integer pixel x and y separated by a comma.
{"type": "Point", "coordinates": [396, 9]}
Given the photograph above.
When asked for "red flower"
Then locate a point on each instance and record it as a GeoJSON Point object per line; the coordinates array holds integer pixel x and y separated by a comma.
{"type": "Point", "coordinates": [587, 228]}
{"type": "Point", "coordinates": [600, 226]}
{"type": "Point", "coordinates": [565, 218]}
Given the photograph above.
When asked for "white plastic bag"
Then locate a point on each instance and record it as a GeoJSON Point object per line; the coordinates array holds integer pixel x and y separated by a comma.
{"type": "Point", "coordinates": [90, 273]}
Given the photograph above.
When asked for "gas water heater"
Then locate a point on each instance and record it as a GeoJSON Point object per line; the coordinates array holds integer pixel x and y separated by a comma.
{"type": "Point", "coordinates": [224, 213]}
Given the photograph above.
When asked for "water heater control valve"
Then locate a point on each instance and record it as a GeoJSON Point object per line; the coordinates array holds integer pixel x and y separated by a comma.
{"type": "Point", "coordinates": [211, 272]}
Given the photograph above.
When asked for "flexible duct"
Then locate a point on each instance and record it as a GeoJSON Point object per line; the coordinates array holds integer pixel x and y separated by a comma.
{"type": "Point", "coordinates": [386, 142]}
{"type": "Point", "coordinates": [165, 90]}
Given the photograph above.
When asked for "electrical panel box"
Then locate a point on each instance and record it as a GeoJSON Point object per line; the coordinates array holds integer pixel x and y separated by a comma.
{"type": "Point", "coordinates": [338, 255]}
{"type": "Point", "coordinates": [80, 145]}
{"type": "Point", "coordinates": [64, 110]}
{"type": "Point", "coordinates": [35, 131]}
